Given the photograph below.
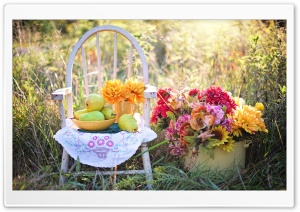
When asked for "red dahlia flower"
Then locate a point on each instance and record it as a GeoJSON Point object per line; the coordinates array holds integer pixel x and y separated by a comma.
{"type": "Point", "coordinates": [163, 94]}
{"type": "Point", "coordinates": [194, 92]}
{"type": "Point", "coordinates": [159, 111]}
{"type": "Point", "coordinates": [216, 96]}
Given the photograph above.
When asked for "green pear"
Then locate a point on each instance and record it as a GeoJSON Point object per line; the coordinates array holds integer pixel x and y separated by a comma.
{"type": "Point", "coordinates": [92, 116]}
{"type": "Point", "coordinates": [108, 113]}
{"type": "Point", "coordinates": [94, 102]}
{"type": "Point", "coordinates": [127, 123]}
{"type": "Point", "coordinates": [79, 112]}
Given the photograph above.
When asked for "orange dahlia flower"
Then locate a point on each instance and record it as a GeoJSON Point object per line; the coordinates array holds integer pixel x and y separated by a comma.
{"type": "Point", "coordinates": [113, 91]}
{"type": "Point", "coordinates": [134, 91]}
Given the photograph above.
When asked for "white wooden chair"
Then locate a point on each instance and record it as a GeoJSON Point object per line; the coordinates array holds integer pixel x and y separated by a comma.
{"type": "Point", "coordinates": [66, 93]}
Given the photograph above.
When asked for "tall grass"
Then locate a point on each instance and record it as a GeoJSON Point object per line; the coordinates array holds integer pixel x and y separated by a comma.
{"type": "Point", "coordinates": [35, 115]}
{"type": "Point", "coordinates": [34, 124]}
{"type": "Point", "coordinates": [250, 53]}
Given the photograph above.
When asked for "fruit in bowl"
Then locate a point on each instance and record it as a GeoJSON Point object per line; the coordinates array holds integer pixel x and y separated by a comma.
{"type": "Point", "coordinates": [108, 112]}
{"type": "Point", "coordinates": [95, 116]}
{"type": "Point", "coordinates": [92, 116]}
{"type": "Point", "coordinates": [94, 102]}
{"type": "Point", "coordinates": [79, 112]}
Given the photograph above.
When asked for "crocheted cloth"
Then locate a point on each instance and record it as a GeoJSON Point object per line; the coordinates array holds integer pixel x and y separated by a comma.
{"type": "Point", "coordinates": [103, 149]}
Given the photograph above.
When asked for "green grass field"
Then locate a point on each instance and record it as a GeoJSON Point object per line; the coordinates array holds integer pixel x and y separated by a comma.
{"type": "Point", "coordinates": [252, 54]}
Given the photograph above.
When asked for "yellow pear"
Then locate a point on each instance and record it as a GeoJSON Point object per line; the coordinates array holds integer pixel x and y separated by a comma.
{"type": "Point", "coordinates": [94, 102]}
{"type": "Point", "coordinates": [92, 116]}
{"type": "Point", "coordinates": [127, 123]}
{"type": "Point", "coordinates": [108, 113]}
{"type": "Point", "coordinates": [79, 112]}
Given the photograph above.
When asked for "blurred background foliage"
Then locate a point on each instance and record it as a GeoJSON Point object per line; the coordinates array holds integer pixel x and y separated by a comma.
{"type": "Point", "coordinates": [245, 57]}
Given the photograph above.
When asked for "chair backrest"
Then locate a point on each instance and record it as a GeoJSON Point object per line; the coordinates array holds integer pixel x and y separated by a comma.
{"type": "Point", "coordinates": [80, 46]}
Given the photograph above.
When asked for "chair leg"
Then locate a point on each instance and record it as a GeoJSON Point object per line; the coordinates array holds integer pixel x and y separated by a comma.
{"type": "Point", "coordinates": [147, 165]}
{"type": "Point", "coordinates": [64, 167]}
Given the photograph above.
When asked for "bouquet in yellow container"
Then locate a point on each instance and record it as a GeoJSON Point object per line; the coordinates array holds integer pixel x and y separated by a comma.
{"type": "Point", "coordinates": [207, 119]}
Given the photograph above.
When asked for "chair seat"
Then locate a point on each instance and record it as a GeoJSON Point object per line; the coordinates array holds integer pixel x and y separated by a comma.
{"type": "Point", "coordinates": [102, 149]}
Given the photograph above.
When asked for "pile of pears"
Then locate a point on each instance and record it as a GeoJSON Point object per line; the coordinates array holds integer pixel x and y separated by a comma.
{"type": "Point", "coordinates": [95, 110]}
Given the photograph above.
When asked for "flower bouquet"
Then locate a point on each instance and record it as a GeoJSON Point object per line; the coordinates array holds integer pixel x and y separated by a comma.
{"type": "Point", "coordinates": [196, 120]}
{"type": "Point", "coordinates": [123, 96]}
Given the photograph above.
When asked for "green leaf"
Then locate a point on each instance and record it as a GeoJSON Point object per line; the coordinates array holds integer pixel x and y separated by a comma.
{"type": "Point", "coordinates": [208, 147]}
{"type": "Point", "coordinates": [171, 115]}
{"type": "Point", "coordinates": [214, 186]}
{"type": "Point", "coordinates": [52, 68]}
{"type": "Point", "coordinates": [210, 142]}
{"type": "Point", "coordinates": [191, 138]}
{"type": "Point", "coordinates": [163, 123]}
{"type": "Point", "coordinates": [208, 151]}
{"type": "Point", "coordinates": [77, 184]}
{"type": "Point", "coordinates": [224, 108]}
{"type": "Point", "coordinates": [78, 164]}
{"type": "Point", "coordinates": [283, 89]}
{"type": "Point", "coordinates": [23, 187]}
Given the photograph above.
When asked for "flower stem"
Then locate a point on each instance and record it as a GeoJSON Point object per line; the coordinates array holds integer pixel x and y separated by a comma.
{"type": "Point", "coordinates": [151, 148]}
{"type": "Point", "coordinates": [167, 103]}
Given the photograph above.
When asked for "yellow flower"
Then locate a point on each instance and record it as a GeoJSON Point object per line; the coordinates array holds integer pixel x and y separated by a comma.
{"type": "Point", "coordinates": [259, 106]}
{"type": "Point", "coordinates": [134, 90]}
{"type": "Point", "coordinates": [236, 131]}
{"type": "Point", "coordinates": [220, 133]}
{"type": "Point", "coordinates": [247, 118]}
{"type": "Point", "coordinates": [113, 91]}
{"type": "Point", "coordinates": [228, 145]}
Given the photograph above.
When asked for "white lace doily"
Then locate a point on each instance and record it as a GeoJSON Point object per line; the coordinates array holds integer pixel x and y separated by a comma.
{"type": "Point", "coordinates": [103, 150]}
